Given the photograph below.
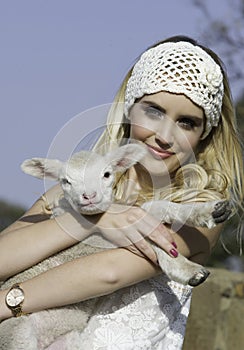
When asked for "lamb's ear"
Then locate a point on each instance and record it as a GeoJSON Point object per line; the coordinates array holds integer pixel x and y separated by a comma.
{"type": "Point", "coordinates": [126, 156]}
{"type": "Point", "coordinates": [42, 167]}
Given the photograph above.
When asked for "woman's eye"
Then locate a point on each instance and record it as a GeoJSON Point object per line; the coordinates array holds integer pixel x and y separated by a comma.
{"type": "Point", "coordinates": [187, 123]}
{"type": "Point", "coordinates": [107, 174]}
{"type": "Point", "coordinates": [65, 182]}
{"type": "Point", "coordinates": [153, 112]}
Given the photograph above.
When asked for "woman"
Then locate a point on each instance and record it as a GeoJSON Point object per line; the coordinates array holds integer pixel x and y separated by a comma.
{"type": "Point", "coordinates": [175, 102]}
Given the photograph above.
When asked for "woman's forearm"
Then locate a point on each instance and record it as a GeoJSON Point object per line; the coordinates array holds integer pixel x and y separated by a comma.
{"type": "Point", "coordinates": [82, 279]}
{"type": "Point", "coordinates": [26, 246]}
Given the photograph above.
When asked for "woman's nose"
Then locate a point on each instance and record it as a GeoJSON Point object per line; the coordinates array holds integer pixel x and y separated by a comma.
{"type": "Point", "coordinates": [165, 132]}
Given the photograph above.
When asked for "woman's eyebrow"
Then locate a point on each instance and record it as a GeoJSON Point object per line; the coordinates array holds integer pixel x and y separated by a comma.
{"type": "Point", "coordinates": [153, 104]}
{"type": "Point", "coordinates": [196, 119]}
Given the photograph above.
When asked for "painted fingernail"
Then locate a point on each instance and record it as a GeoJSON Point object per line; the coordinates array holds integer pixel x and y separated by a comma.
{"type": "Point", "coordinates": [174, 245]}
{"type": "Point", "coordinates": [174, 253]}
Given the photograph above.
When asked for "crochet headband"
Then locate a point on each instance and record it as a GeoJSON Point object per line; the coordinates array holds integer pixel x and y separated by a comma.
{"type": "Point", "coordinates": [180, 68]}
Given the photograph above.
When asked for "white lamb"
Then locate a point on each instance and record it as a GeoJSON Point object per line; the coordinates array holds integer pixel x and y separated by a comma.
{"type": "Point", "coordinates": [87, 180]}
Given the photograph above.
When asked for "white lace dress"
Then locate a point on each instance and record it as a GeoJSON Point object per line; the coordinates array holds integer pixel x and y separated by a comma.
{"type": "Point", "coordinates": [149, 315]}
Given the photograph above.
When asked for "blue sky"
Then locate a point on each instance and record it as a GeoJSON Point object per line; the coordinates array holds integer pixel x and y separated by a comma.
{"type": "Point", "coordinates": [59, 58]}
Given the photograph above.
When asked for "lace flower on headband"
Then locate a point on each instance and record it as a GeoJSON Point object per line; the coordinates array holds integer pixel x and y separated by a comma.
{"type": "Point", "coordinates": [211, 79]}
{"type": "Point", "coordinates": [180, 68]}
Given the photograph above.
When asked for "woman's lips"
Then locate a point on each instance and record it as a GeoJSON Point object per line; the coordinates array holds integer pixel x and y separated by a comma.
{"type": "Point", "coordinates": [159, 153]}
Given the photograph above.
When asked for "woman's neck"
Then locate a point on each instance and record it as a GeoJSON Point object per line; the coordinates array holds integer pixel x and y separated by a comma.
{"type": "Point", "coordinates": [140, 180]}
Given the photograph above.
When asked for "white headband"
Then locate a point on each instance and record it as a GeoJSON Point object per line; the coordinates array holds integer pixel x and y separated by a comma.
{"type": "Point", "coordinates": [180, 68]}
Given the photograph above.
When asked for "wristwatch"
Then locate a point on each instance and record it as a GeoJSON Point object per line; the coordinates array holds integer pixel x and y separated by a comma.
{"type": "Point", "coordinates": [14, 300]}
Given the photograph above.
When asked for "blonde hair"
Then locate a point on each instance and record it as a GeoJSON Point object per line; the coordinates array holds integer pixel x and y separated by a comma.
{"type": "Point", "coordinates": [218, 172]}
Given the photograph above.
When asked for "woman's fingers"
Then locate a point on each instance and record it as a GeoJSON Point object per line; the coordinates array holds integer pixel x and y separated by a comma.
{"type": "Point", "coordinates": [142, 229]}
{"type": "Point", "coordinates": [145, 249]}
{"type": "Point", "coordinates": [134, 250]}
{"type": "Point", "coordinates": [152, 229]}
{"type": "Point", "coordinates": [133, 229]}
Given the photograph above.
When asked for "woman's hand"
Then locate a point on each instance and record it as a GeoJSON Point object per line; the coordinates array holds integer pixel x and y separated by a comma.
{"type": "Point", "coordinates": [133, 228]}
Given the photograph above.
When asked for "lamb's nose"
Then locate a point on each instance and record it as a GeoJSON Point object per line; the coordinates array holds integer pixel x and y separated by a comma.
{"type": "Point", "coordinates": [89, 196]}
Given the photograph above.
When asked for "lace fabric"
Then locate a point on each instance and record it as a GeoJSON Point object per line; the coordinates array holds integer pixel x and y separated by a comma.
{"type": "Point", "coordinates": [149, 315]}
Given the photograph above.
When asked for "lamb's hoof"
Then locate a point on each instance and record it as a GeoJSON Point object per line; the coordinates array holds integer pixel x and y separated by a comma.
{"type": "Point", "coordinates": [199, 278]}
{"type": "Point", "coordinates": [222, 211]}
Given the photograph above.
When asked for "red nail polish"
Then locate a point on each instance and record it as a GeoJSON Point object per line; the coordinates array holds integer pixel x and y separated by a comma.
{"type": "Point", "coordinates": [174, 245]}
{"type": "Point", "coordinates": [174, 253]}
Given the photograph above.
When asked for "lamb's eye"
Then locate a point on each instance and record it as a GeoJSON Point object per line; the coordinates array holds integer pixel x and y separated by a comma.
{"type": "Point", "coordinates": [65, 182]}
{"type": "Point", "coordinates": [107, 174]}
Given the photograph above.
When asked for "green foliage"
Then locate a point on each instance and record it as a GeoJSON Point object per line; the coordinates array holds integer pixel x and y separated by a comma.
{"type": "Point", "coordinates": [9, 213]}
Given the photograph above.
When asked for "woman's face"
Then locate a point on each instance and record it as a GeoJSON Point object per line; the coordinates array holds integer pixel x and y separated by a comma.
{"type": "Point", "coordinates": [170, 127]}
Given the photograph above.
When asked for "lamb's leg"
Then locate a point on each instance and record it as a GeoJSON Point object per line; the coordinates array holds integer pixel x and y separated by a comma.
{"type": "Point", "coordinates": [207, 214]}
{"type": "Point", "coordinates": [53, 323]}
{"type": "Point", "coordinates": [181, 269]}
{"type": "Point", "coordinates": [18, 333]}
{"type": "Point", "coordinates": [38, 330]}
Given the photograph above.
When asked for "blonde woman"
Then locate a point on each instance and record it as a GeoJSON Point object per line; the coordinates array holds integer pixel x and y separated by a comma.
{"type": "Point", "coordinates": [176, 103]}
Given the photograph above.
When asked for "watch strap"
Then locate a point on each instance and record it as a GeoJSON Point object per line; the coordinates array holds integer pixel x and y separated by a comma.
{"type": "Point", "coordinates": [17, 311]}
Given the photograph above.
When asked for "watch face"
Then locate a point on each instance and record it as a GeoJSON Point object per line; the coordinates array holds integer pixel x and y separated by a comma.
{"type": "Point", "coordinates": [15, 297]}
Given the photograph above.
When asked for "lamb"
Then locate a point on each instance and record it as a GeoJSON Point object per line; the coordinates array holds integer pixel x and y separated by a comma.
{"type": "Point", "coordinates": [87, 180]}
